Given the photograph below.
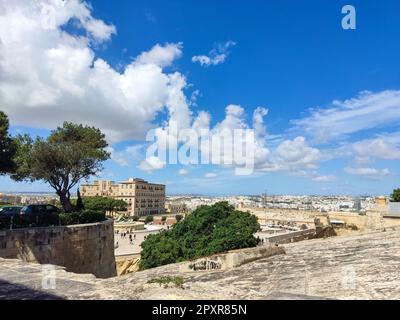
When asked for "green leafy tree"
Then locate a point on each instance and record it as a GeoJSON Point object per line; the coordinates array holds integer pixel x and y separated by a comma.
{"type": "Point", "coordinates": [71, 153]}
{"type": "Point", "coordinates": [208, 230]}
{"type": "Point", "coordinates": [395, 197]}
{"type": "Point", "coordinates": [160, 250]}
{"type": "Point", "coordinates": [149, 219]}
{"type": "Point", "coordinates": [178, 217]}
{"type": "Point", "coordinates": [104, 204]}
{"type": "Point", "coordinates": [8, 147]}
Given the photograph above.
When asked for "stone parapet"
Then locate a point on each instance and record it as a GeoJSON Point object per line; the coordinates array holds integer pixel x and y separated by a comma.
{"type": "Point", "coordinates": [231, 259]}
{"type": "Point", "coordinates": [87, 248]}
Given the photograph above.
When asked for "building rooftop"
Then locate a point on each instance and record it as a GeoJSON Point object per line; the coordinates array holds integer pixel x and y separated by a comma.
{"type": "Point", "coordinates": [394, 208]}
{"type": "Point", "coordinates": [132, 180]}
{"type": "Point", "coordinates": [129, 181]}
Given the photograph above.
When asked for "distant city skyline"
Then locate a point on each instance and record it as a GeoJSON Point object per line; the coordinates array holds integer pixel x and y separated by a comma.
{"type": "Point", "coordinates": [322, 101]}
{"type": "Point", "coordinates": [52, 193]}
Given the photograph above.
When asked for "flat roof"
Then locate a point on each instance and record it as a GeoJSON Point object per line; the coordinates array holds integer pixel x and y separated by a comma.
{"type": "Point", "coordinates": [130, 181]}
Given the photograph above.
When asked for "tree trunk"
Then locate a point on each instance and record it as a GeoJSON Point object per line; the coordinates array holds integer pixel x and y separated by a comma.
{"type": "Point", "coordinates": [65, 201]}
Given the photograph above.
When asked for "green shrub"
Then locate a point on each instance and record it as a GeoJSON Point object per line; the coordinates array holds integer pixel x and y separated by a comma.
{"type": "Point", "coordinates": [48, 220]}
{"type": "Point", "coordinates": [69, 218]}
{"type": "Point", "coordinates": [178, 217]}
{"type": "Point", "coordinates": [149, 219]}
{"type": "Point", "coordinates": [83, 217]}
{"type": "Point", "coordinates": [208, 230]}
{"type": "Point", "coordinates": [395, 196]}
{"type": "Point", "coordinates": [164, 281]}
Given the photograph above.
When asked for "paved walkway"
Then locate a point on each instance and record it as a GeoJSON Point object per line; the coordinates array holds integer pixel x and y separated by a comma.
{"type": "Point", "coordinates": [124, 245]}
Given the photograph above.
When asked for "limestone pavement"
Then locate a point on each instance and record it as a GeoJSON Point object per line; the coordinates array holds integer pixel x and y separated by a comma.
{"type": "Point", "coordinates": [359, 266]}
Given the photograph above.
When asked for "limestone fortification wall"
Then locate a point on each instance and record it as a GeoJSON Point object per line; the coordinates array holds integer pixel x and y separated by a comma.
{"type": "Point", "coordinates": [231, 259]}
{"type": "Point", "coordinates": [291, 236]}
{"type": "Point", "coordinates": [375, 219]}
{"type": "Point", "coordinates": [87, 248]}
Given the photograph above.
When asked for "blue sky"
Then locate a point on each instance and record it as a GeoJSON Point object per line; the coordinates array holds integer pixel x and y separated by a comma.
{"type": "Point", "coordinates": [332, 95]}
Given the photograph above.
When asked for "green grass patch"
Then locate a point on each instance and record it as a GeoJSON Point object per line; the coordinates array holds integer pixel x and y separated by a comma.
{"type": "Point", "coordinates": [164, 281]}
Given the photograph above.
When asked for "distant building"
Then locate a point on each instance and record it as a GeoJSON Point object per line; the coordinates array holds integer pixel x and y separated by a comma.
{"type": "Point", "coordinates": [381, 201]}
{"type": "Point", "coordinates": [176, 208]}
{"type": "Point", "coordinates": [143, 198]}
{"type": "Point", "coordinates": [9, 199]}
{"type": "Point", "coordinates": [357, 205]}
{"type": "Point", "coordinates": [394, 209]}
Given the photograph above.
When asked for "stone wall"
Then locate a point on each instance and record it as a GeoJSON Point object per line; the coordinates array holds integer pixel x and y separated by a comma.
{"type": "Point", "coordinates": [309, 270]}
{"type": "Point", "coordinates": [231, 259]}
{"type": "Point", "coordinates": [372, 220]}
{"type": "Point", "coordinates": [271, 213]}
{"type": "Point", "coordinates": [81, 249]}
{"type": "Point", "coordinates": [289, 237]}
{"type": "Point", "coordinates": [375, 219]}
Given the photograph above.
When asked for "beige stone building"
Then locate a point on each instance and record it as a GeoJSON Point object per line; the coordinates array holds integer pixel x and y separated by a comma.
{"type": "Point", "coordinates": [143, 198]}
{"type": "Point", "coordinates": [176, 208]}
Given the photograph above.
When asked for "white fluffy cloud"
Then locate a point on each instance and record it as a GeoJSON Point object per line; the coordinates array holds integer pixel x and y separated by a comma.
{"type": "Point", "coordinates": [118, 157]}
{"type": "Point", "coordinates": [366, 111]}
{"type": "Point", "coordinates": [151, 164]}
{"type": "Point", "coordinates": [210, 175]}
{"type": "Point", "coordinates": [294, 157]}
{"type": "Point", "coordinates": [235, 119]}
{"type": "Point", "coordinates": [128, 155]}
{"type": "Point", "coordinates": [297, 153]}
{"type": "Point", "coordinates": [161, 56]}
{"type": "Point", "coordinates": [183, 172]}
{"type": "Point", "coordinates": [321, 178]}
{"type": "Point", "coordinates": [98, 29]}
{"type": "Point", "coordinates": [223, 153]}
{"type": "Point", "coordinates": [216, 56]}
{"type": "Point", "coordinates": [48, 75]}
{"type": "Point", "coordinates": [385, 147]}
{"type": "Point", "coordinates": [368, 173]}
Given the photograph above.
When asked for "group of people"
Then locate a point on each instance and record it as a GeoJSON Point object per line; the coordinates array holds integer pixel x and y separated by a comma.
{"type": "Point", "coordinates": [131, 238]}
{"type": "Point", "coordinates": [124, 235]}
{"type": "Point", "coordinates": [260, 241]}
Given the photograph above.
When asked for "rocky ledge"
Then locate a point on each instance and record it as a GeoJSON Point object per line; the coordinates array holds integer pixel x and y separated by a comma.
{"type": "Point", "coordinates": [362, 266]}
